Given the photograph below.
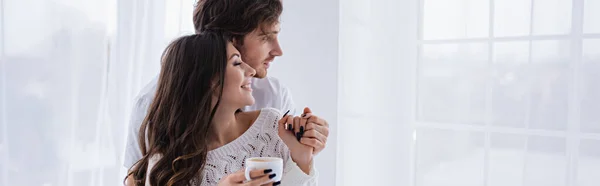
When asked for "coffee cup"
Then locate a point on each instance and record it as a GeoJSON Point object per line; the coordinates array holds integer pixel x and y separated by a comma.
{"type": "Point", "coordinates": [257, 163]}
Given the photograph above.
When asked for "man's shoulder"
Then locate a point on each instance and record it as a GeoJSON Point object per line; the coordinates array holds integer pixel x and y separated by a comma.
{"type": "Point", "coordinates": [149, 90]}
{"type": "Point", "coordinates": [146, 95]}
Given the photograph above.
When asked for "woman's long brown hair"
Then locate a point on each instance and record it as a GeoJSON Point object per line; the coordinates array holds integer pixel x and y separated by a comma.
{"type": "Point", "coordinates": [179, 119]}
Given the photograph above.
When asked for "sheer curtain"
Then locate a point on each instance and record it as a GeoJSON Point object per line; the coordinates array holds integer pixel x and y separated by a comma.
{"type": "Point", "coordinates": [377, 53]}
{"type": "Point", "coordinates": [486, 93]}
{"type": "Point", "coordinates": [70, 70]}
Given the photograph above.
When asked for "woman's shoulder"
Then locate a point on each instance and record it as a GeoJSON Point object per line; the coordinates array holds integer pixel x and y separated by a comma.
{"type": "Point", "coordinates": [269, 116]}
{"type": "Point", "coordinates": [272, 112]}
{"type": "Point", "coordinates": [263, 118]}
{"type": "Point", "coordinates": [265, 113]}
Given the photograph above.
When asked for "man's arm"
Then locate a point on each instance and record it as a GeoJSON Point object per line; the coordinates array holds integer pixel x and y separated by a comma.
{"type": "Point", "coordinates": [132, 149]}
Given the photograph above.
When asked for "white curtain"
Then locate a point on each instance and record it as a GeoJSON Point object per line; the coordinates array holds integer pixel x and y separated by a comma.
{"type": "Point", "coordinates": [376, 91]}
{"type": "Point", "coordinates": [469, 92]}
{"type": "Point", "coordinates": [70, 70]}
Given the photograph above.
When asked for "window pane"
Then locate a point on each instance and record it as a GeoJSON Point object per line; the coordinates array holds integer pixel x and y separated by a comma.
{"type": "Point", "coordinates": [588, 168]}
{"type": "Point", "coordinates": [449, 19]}
{"type": "Point", "coordinates": [548, 76]}
{"type": "Point", "coordinates": [552, 17]}
{"type": "Point", "coordinates": [510, 84]}
{"type": "Point", "coordinates": [512, 17]}
{"type": "Point", "coordinates": [545, 161]}
{"type": "Point", "coordinates": [56, 61]}
{"type": "Point", "coordinates": [551, 51]}
{"type": "Point", "coordinates": [589, 86]}
{"type": "Point", "coordinates": [507, 159]}
{"type": "Point", "coordinates": [452, 80]}
{"type": "Point", "coordinates": [591, 16]}
{"type": "Point", "coordinates": [447, 157]}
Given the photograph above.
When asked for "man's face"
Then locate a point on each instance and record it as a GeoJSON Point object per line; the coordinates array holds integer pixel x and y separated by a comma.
{"type": "Point", "coordinates": [260, 47]}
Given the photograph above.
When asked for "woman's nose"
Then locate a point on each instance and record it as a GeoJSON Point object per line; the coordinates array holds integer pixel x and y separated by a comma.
{"type": "Point", "coordinates": [250, 71]}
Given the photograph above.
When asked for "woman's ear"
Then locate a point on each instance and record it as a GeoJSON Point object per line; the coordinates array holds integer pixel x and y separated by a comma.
{"type": "Point", "coordinates": [216, 87]}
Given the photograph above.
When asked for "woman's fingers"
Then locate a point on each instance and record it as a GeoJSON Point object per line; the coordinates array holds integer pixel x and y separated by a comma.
{"type": "Point", "coordinates": [236, 177]}
{"type": "Point", "coordinates": [266, 179]}
{"type": "Point", "coordinates": [273, 184]}
{"type": "Point", "coordinates": [254, 174]}
{"type": "Point", "coordinates": [290, 122]}
{"type": "Point", "coordinates": [303, 121]}
{"type": "Point", "coordinates": [298, 128]}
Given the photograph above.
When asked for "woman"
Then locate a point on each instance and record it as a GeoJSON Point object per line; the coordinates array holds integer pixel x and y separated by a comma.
{"type": "Point", "coordinates": [195, 133]}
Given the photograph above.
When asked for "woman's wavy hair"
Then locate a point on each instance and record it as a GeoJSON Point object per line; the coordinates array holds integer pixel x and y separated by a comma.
{"type": "Point", "coordinates": [178, 122]}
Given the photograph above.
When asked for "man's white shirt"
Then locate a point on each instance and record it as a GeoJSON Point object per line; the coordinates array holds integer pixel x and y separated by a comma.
{"type": "Point", "coordinates": [268, 92]}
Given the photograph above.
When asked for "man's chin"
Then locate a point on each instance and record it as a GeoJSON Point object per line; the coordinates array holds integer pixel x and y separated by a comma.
{"type": "Point", "coordinates": [261, 75]}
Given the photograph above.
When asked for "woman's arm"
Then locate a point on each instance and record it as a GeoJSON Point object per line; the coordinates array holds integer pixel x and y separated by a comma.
{"type": "Point", "coordinates": [293, 175]}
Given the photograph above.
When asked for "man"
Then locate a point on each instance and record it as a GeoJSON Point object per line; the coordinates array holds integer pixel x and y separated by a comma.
{"type": "Point", "coordinates": [254, 27]}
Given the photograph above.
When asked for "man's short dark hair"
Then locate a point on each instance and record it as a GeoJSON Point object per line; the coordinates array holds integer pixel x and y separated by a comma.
{"type": "Point", "coordinates": [235, 18]}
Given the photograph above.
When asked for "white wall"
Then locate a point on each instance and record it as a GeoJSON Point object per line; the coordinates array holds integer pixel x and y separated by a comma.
{"type": "Point", "coordinates": [309, 39]}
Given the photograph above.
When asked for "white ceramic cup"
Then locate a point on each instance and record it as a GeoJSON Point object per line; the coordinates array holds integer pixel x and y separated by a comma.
{"type": "Point", "coordinates": [275, 164]}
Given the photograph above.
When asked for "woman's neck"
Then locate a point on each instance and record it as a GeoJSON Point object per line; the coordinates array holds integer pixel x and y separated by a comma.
{"type": "Point", "coordinates": [226, 127]}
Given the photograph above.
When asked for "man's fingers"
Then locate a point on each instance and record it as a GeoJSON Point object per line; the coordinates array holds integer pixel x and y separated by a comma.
{"type": "Point", "coordinates": [318, 120]}
{"type": "Point", "coordinates": [312, 133]}
{"type": "Point", "coordinates": [307, 110]}
{"type": "Point", "coordinates": [307, 115]}
{"type": "Point", "coordinates": [312, 142]}
{"type": "Point", "coordinates": [322, 129]}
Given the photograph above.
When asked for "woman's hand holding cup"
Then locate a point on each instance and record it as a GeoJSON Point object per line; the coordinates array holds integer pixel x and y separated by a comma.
{"type": "Point", "coordinates": [260, 171]}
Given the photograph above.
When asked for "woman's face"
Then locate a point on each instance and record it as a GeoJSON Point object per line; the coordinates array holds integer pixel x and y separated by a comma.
{"type": "Point", "coordinates": [238, 75]}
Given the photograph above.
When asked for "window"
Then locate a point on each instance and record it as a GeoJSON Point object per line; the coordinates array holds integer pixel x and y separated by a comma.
{"type": "Point", "coordinates": [508, 93]}
{"type": "Point", "coordinates": [69, 71]}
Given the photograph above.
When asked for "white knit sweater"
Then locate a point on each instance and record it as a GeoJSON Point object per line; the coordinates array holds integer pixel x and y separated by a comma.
{"type": "Point", "coordinates": [260, 140]}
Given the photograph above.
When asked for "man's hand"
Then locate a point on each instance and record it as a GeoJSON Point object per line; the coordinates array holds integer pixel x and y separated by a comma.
{"type": "Point", "coordinates": [314, 131]}
{"type": "Point", "coordinates": [305, 136]}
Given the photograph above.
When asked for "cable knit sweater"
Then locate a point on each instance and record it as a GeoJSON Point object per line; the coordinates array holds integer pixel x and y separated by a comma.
{"type": "Point", "coordinates": [260, 140]}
